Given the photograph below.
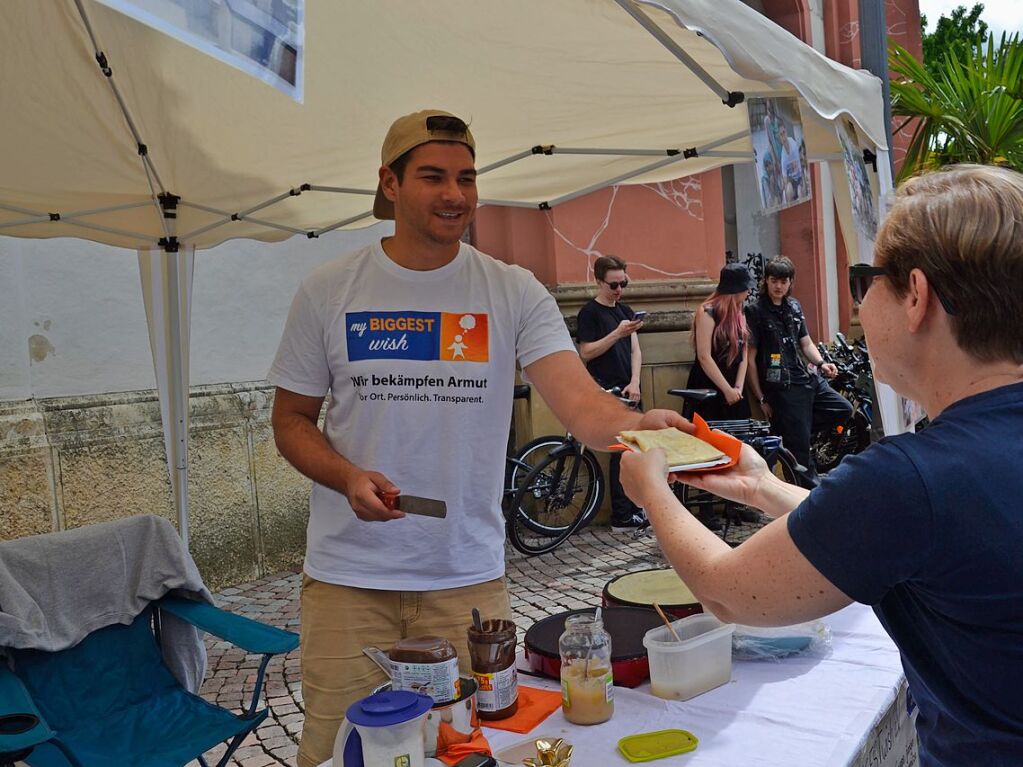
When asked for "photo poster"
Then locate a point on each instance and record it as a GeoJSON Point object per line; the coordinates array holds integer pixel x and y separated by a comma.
{"type": "Point", "coordinates": [779, 152]}
{"type": "Point", "coordinates": [862, 194]}
{"type": "Point", "coordinates": [263, 38]}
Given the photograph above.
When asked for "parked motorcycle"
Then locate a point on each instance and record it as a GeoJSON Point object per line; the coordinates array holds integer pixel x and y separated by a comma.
{"type": "Point", "coordinates": [855, 382]}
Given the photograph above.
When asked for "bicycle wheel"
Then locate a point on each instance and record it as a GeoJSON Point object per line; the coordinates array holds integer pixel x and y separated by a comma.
{"type": "Point", "coordinates": [526, 458]}
{"type": "Point", "coordinates": [559, 495]}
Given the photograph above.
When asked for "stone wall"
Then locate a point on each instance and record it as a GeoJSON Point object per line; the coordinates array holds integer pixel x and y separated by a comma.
{"type": "Point", "coordinates": [73, 461]}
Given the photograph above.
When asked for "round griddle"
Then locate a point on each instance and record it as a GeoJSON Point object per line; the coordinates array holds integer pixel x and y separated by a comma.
{"type": "Point", "coordinates": [683, 605]}
{"type": "Point", "coordinates": [626, 625]}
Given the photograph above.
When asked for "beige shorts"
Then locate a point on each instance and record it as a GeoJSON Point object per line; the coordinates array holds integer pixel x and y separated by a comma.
{"type": "Point", "coordinates": [338, 621]}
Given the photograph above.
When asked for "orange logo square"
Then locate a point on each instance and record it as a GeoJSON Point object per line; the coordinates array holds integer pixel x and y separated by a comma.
{"type": "Point", "coordinates": [464, 337]}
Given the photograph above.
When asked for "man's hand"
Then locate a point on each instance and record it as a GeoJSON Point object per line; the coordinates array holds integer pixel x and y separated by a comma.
{"type": "Point", "coordinates": [740, 483]}
{"type": "Point", "coordinates": [664, 419]}
{"type": "Point", "coordinates": [768, 410]}
{"type": "Point", "coordinates": [643, 472]}
{"type": "Point", "coordinates": [627, 327]}
{"type": "Point", "coordinates": [828, 369]}
{"type": "Point", "coordinates": [632, 392]}
{"type": "Point", "coordinates": [363, 490]}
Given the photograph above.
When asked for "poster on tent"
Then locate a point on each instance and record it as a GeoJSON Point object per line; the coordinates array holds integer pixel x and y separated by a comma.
{"type": "Point", "coordinates": [779, 152]}
{"type": "Point", "coordinates": [264, 38]}
{"type": "Point", "coordinates": [863, 208]}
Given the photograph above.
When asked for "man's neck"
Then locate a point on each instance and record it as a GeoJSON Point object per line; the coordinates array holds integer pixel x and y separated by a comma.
{"type": "Point", "coordinates": [608, 302]}
{"type": "Point", "coordinates": [417, 254]}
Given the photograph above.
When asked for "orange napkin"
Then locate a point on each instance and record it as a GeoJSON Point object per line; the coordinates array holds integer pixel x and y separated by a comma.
{"type": "Point", "coordinates": [453, 747]}
{"type": "Point", "coordinates": [535, 705]}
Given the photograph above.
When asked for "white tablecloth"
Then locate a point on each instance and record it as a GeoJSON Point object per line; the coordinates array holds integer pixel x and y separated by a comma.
{"type": "Point", "coordinates": [803, 710]}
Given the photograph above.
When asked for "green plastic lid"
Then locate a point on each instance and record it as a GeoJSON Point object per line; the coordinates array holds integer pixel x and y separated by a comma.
{"type": "Point", "coordinates": [647, 746]}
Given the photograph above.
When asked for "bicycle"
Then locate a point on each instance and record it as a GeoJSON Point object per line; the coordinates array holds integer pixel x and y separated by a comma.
{"type": "Point", "coordinates": [754, 433]}
{"type": "Point", "coordinates": [561, 494]}
{"type": "Point", "coordinates": [855, 382]}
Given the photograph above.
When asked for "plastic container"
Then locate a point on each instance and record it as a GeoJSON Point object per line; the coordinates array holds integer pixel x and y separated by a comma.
{"type": "Point", "coordinates": [647, 746]}
{"type": "Point", "coordinates": [700, 662]}
{"type": "Point", "coordinates": [587, 692]}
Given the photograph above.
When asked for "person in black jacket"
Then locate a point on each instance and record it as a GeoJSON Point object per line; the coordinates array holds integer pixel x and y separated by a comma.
{"type": "Point", "coordinates": [797, 400]}
{"type": "Point", "coordinates": [606, 332]}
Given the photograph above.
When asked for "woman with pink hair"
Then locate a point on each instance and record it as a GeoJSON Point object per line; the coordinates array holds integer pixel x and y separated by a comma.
{"type": "Point", "coordinates": [719, 344]}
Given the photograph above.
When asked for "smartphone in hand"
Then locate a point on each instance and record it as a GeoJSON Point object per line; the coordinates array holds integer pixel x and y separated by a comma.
{"type": "Point", "coordinates": [640, 316]}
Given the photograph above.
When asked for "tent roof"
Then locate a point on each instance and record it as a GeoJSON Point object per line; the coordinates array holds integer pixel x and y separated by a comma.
{"type": "Point", "coordinates": [574, 74]}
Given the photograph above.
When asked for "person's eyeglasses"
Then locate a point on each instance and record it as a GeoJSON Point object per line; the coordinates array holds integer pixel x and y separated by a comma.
{"type": "Point", "coordinates": [616, 285]}
{"type": "Point", "coordinates": [861, 277]}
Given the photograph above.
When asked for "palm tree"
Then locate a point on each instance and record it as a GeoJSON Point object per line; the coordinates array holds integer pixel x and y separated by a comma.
{"type": "Point", "coordinates": [970, 110]}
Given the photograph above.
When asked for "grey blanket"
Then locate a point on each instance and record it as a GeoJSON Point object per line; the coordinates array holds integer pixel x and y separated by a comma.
{"type": "Point", "coordinates": [57, 588]}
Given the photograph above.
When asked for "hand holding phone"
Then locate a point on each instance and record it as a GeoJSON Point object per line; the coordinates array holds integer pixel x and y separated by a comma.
{"type": "Point", "coordinates": [640, 316]}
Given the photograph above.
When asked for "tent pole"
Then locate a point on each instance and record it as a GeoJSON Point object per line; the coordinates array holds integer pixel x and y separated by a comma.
{"type": "Point", "coordinates": [727, 97]}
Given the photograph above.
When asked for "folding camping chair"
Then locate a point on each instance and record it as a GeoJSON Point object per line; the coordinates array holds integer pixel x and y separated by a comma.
{"type": "Point", "coordinates": [111, 700]}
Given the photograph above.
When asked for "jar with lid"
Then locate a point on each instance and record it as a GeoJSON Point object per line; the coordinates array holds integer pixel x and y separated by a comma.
{"type": "Point", "coordinates": [587, 683]}
{"type": "Point", "coordinates": [492, 657]}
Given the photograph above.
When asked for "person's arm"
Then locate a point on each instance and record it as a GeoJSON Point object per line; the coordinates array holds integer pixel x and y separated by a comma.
{"type": "Point", "coordinates": [305, 447]}
{"type": "Point", "coordinates": [764, 582]}
{"type": "Point", "coordinates": [589, 350]}
{"type": "Point", "coordinates": [705, 359]}
{"type": "Point", "coordinates": [813, 355]}
{"type": "Point", "coordinates": [753, 380]}
{"type": "Point", "coordinates": [590, 413]}
{"type": "Point", "coordinates": [740, 375]}
{"type": "Point", "coordinates": [632, 390]}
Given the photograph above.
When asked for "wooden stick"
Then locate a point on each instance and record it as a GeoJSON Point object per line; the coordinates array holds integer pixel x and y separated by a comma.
{"type": "Point", "coordinates": [667, 622]}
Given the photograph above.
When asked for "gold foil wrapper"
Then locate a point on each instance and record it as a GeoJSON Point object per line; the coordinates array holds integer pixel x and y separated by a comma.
{"type": "Point", "coordinates": [555, 753]}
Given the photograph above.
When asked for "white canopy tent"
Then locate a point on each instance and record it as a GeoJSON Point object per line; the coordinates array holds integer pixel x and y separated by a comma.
{"type": "Point", "coordinates": [118, 133]}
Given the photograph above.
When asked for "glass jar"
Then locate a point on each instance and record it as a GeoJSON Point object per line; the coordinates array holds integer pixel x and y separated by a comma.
{"type": "Point", "coordinates": [492, 657]}
{"type": "Point", "coordinates": [587, 691]}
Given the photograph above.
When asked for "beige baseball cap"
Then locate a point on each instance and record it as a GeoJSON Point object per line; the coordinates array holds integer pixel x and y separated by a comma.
{"type": "Point", "coordinates": [408, 132]}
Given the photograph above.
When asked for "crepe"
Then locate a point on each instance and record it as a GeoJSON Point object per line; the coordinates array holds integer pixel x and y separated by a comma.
{"type": "Point", "coordinates": [681, 449]}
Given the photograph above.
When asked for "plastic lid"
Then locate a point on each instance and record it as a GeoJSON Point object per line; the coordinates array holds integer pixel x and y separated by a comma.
{"type": "Point", "coordinates": [387, 708]}
{"type": "Point", "coordinates": [647, 746]}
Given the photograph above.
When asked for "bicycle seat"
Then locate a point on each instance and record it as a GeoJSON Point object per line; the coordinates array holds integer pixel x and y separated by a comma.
{"type": "Point", "coordinates": [696, 395]}
{"type": "Point", "coordinates": [521, 391]}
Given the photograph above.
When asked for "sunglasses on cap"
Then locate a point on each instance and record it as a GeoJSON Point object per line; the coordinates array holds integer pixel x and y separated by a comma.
{"type": "Point", "coordinates": [861, 277]}
{"type": "Point", "coordinates": [615, 285]}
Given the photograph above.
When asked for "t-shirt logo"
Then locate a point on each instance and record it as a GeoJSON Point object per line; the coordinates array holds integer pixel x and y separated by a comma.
{"type": "Point", "coordinates": [448, 336]}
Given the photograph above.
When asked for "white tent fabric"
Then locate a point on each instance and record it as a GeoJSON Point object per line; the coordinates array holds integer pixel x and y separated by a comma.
{"type": "Point", "coordinates": [614, 90]}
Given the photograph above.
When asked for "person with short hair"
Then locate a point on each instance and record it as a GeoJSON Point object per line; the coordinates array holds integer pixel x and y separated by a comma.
{"type": "Point", "coordinates": [797, 401]}
{"type": "Point", "coordinates": [926, 528]}
{"type": "Point", "coordinates": [606, 330]}
{"type": "Point", "coordinates": [416, 338]}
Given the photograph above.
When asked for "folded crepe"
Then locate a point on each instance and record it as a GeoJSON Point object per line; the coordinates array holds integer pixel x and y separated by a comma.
{"type": "Point", "coordinates": [682, 449]}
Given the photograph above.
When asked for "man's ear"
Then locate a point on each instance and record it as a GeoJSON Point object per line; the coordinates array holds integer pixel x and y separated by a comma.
{"type": "Point", "coordinates": [388, 182]}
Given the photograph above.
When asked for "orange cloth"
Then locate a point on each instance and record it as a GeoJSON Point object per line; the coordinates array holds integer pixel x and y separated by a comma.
{"type": "Point", "coordinates": [535, 705]}
{"type": "Point", "coordinates": [453, 747]}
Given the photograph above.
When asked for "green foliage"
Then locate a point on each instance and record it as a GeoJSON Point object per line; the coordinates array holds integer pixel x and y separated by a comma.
{"type": "Point", "coordinates": [954, 34]}
{"type": "Point", "coordinates": [969, 110]}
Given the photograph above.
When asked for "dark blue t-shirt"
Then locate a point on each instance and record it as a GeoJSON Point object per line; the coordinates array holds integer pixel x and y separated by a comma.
{"type": "Point", "coordinates": [928, 529]}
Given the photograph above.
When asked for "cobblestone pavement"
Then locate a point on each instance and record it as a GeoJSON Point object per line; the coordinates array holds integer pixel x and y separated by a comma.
{"type": "Point", "coordinates": [573, 576]}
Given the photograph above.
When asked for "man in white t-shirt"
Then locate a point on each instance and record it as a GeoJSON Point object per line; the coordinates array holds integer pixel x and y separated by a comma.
{"type": "Point", "coordinates": [416, 339]}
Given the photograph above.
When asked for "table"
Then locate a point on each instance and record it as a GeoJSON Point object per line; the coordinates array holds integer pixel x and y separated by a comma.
{"type": "Point", "coordinates": [846, 708]}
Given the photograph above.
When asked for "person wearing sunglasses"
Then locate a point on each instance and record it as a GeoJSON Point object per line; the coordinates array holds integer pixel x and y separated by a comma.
{"type": "Point", "coordinates": [797, 401]}
{"type": "Point", "coordinates": [608, 344]}
{"type": "Point", "coordinates": [925, 528]}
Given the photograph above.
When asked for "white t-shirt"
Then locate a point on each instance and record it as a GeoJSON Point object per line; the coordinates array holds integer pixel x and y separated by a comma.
{"type": "Point", "coordinates": [420, 367]}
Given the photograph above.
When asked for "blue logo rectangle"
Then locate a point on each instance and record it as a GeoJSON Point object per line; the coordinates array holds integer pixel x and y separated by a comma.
{"type": "Point", "coordinates": [393, 335]}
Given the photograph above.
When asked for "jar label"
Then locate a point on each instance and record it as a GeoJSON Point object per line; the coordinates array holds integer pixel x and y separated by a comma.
{"type": "Point", "coordinates": [609, 687]}
{"type": "Point", "coordinates": [438, 680]}
{"type": "Point", "coordinates": [498, 690]}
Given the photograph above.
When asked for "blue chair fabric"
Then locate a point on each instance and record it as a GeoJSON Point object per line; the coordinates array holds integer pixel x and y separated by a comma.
{"type": "Point", "coordinates": [110, 700]}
